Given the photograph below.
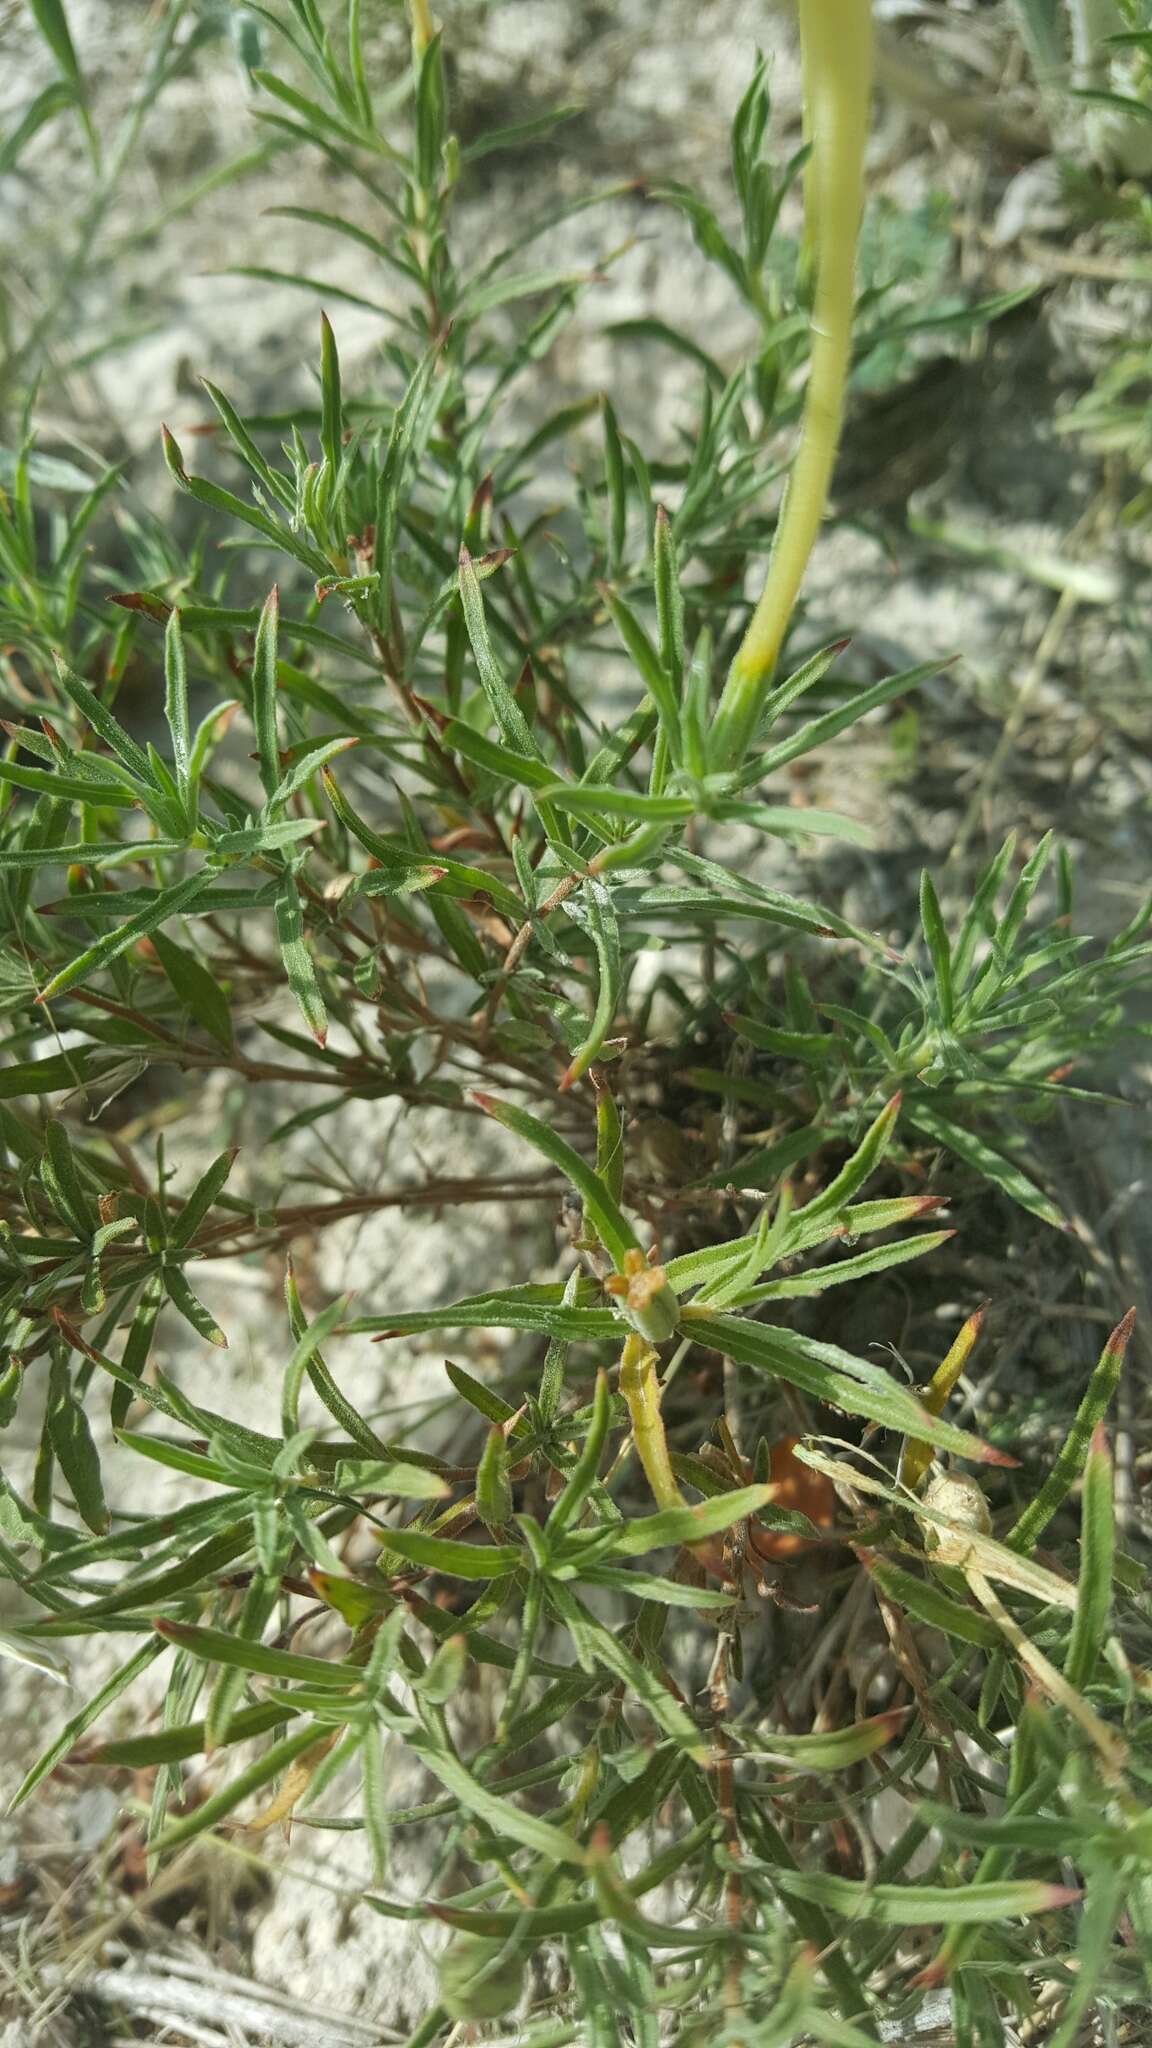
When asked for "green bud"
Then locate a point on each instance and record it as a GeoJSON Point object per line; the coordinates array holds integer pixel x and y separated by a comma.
{"type": "Point", "coordinates": [646, 1298]}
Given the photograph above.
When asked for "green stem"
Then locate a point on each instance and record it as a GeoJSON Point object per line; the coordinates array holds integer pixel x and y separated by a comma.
{"type": "Point", "coordinates": [1118, 141]}
{"type": "Point", "coordinates": [1093, 21]}
{"type": "Point", "coordinates": [836, 40]}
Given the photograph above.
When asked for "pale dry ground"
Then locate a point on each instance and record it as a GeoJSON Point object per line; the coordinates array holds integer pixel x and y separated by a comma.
{"type": "Point", "coordinates": [659, 86]}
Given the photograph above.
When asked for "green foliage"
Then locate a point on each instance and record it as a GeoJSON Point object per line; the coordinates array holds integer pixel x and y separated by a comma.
{"type": "Point", "coordinates": [356, 804]}
{"type": "Point", "coordinates": [38, 305]}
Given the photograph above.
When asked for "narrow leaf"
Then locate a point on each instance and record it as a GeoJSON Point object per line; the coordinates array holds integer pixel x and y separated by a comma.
{"type": "Point", "coordinates": [165, 904]}
{"type": "Point", "coordinates": [612, 1226]}
{"type": "Point", "coordinates": [264, 687]}
{"type": "Point", "coordinates": [298, 962]}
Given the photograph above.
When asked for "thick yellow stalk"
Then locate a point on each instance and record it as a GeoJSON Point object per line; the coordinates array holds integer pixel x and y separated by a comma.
{"type": "Point", "coordinates": [641, 1390]}
{"type": "Point", "coordinates": [423, 29]}
{"type": "Point", "coordinates": [917, 1455]}
{"type": "Point", "coordinates": [836, 40]}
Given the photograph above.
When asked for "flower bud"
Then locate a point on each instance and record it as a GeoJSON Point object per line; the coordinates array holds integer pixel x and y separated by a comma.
{"type": "Point", "coordinates": [962, 1500]}
{"type": "Point", "coordinates": [646, 1298]}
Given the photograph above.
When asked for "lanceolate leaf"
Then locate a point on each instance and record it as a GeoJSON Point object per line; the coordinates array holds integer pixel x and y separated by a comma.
{"type": "Point", "coordinates": [687, 1525]}
{"type": "Point", "coordinates": [167, 903]}
{"type": "Point", "coordinates": [843, 1271]}
{"type": "Point", "coordinates": [835, 1377]}
{"type": "Point", "coordinates": [498, 1813]}
{"type": "Point", "coordinates": [975, 1151]}
{"type": "Point", "coordinates": [612, 1225]}
{"type": "Point", "coordinates": [79, 1460]}
{"type": "Point", "coordinates": [510, 720]}
{"type": "Point", "coordinates": [81, 1721]}
{"type": "Point", "coordinates": [217, 1646]}
{"type": "Point", "coordinates": [46, 782]}
{"type": "Point", "coordinates": [540, 1309]}
{"type": "Point", "coordinates": [201, 1199]}
{"type": "Point", "coordinates": [605, 935]}
{"type": "Point", "coordinates": [1097, 1562]}
{"type": "Point", "coordinates": [196, 986]}
{"type": "Point", "coordinates": [916, 1905]}
{"type": "Point", "coordinates": [120, 744]}
{"type": "Point", "coordinates": [298, 963]}
{"type": "Point", "coordinates": [52, 21]}
{"type": "Point", "coordinates": [264, 688]}
{"type": "Point", "coordinates": [176, 698]}
{"type": "Point", "coordinates": [171, 1745]}
{"type": "Point", "coordinates": [1067, 1467]}
{"type": "Point", "coordinates": [187, 1304]}
{"type": "Point", "coordinates": [456, 1560]}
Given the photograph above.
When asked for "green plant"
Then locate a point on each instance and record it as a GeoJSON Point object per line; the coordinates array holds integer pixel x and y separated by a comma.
{"type": "Point", "coordinates": [390, 838]}
{"type": "Point", "coordinates": [1112, 416]}
{"type": "Point", "coordinates": [48, 335]}
{"type": "Point", "coordinates": [1087, 56]}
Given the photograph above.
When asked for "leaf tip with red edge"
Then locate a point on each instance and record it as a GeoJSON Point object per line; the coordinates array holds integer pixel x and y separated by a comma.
{"type": "Point", "coordinates": [1118, 1342]}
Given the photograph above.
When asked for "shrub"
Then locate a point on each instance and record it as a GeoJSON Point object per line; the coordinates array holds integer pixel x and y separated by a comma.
{"type": "Point", "coordinates": [404, 837]}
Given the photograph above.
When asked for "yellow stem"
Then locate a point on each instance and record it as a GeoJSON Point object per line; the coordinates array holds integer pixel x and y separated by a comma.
{"type": "Point", "coordinates": [917, 1455]}
{"type": "Point", "coordinates": [423, 29]}
{"type": "Point", "coordinates": [836, 41]}
{"type": "Point", "coordinates": [641, 1391]}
